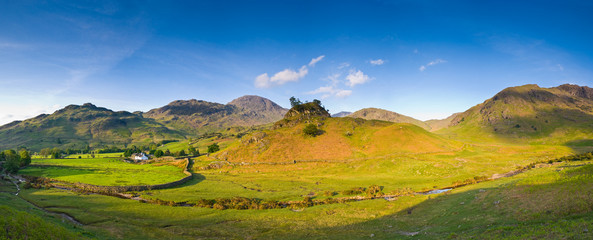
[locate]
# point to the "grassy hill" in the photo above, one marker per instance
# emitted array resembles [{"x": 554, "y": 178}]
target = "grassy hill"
[
  {"x": 197, "y": 117},
  {"x": 384, "y": 115},
  {"x": 558, "y": 115},
  {"x": 339, "y": 139},
  {"x": 77, "y": 126}
]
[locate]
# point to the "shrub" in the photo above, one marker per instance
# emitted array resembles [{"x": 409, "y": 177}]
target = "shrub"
[
  {"x": 213, "y": 148},
  {"x": 311, "y": 130},
  {"x": 354, "y": 191},
  {"x": 159, "y": 153},
  {"x": 403, "y": 192},
  {"x": 374, "y": 191},
  {"x": 329, "y": 193}
]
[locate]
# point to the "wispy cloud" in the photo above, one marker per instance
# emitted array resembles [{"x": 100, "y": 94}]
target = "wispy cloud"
[
  {"x": 356, "y": 77},
  {"x": 285, "y": 76},
  {"x": 9, "y": 113},
  {"x": 333, "y": 89},
  {"x": 329, "y": 91},
  {"x": 343, "y": 65},
  {"x": 315, "y": 60},
  {"x": 377, "y": 62},
  {"x": 435, "y": 62},
  {"x": 12, "y": 45}
]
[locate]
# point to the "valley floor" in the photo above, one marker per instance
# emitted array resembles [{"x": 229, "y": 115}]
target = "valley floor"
[{"x": 553, "y": 201}]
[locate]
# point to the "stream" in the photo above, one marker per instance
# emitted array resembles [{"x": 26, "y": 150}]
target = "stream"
[{"x": 63, "y": 215}]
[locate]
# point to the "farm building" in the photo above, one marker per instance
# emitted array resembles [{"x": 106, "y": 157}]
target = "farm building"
[{"x": 139, "y": 156}]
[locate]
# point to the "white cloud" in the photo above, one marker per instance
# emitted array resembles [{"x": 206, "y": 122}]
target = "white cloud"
[
  {"x": 315, "y": 60},
  {"x": 284, "y": 76},
  {"x": 343, "y": 93},
  {"x": 377, "y": 62},
  {"x": 329, "y": 91},
  {"x": 262, "y": 81},
  {"x": 289, "y": 75},
  {"x": 334, "y": 79},
  {"x": 435, "y": 62},
  {"x": 356, "y": 77}
]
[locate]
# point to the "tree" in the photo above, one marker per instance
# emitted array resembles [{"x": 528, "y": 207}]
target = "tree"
[
  {"x": 311, "y": 130},
  {"x": 167, "y": 152},
  {"x": 180, "y": 154},
  {"x": 56, "y": 153},
  {"x": 11, "y": 161},
  {"x": 319, "y": 104},
  {"x": 193, "y": 151},
  {"x": 213, "y": 148},
  {"x": 25, "y": 158},
  {"x": 158, "y": 153},
  {"x": 45, "y": 152},
  {"x": 295, "y": 101}
]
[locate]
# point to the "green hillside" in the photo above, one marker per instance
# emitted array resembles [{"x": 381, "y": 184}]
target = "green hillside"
[
  {"x": 338, "y": 139},
  {"x": 558, "y": 115},
  {"x": 78, "y": 126}
]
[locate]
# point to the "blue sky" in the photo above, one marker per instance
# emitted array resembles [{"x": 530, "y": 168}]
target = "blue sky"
[{"x": 425, "y": 59}]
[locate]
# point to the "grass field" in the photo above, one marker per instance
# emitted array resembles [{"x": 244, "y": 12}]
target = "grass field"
[
  {"x": 103, "y": 171},
  {"x": 485, "y": 211},
  {"x": 294, "y": 181}
]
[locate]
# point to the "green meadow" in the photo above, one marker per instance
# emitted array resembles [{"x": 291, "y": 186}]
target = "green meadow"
[
  {"x": 548, "y": 202},
  {"x": 290, "y": 182},
  {"x": 103, "y": 171}
]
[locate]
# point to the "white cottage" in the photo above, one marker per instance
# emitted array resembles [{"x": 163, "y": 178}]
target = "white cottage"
[{"x": 139, "y": 156}]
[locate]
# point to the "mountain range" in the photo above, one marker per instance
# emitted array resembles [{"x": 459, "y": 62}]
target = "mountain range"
[
  {"x": 198, "y": 117},
  {"x": 557, "y": 115}
]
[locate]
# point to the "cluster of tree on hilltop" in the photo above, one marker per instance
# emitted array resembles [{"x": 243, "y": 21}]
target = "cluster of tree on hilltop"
[{"x": 297, "y": 105}]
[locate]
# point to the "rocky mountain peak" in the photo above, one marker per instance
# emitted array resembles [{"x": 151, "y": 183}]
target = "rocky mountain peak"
[{"x": 255, "y": 104}]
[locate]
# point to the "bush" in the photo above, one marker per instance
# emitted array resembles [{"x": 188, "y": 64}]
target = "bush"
[
  {"x": 329, "y": 193},
  {"x": 311, "y": 130},
  {"x": 213, "y": 148},
  {"x": 159, "y": 153},
  {"x": 354, "y": 191},
  {"x": 374, "y": 191}
]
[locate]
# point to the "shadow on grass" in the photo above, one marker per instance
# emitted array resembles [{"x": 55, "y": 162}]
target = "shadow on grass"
[
  {"x": 580, "y": 145},
  {"x": 558, "y": 210},
  {"x": 197, "y": 178}
]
